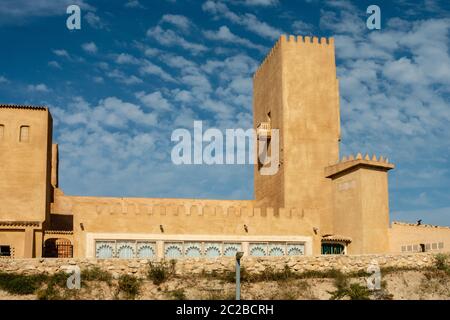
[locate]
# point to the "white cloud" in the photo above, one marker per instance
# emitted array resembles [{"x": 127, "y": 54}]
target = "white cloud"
[
  {"x": 61, "y": 53},
  {"x": 3, "y": 79},
  {"x": 125, "y": 58},
  {"x": 263, "y": 3},
  {"x": 98, "y": 79},
  {"x": 249, "y": 21},
  {"x": 179, "y": 21},
  {"x": 38, "y": 88},
  {"x": 148, "y": 67},
  {"x": 94, "y": 21},
  {"x": 90, "y": 47},
  {"x": 224, "y": 34},
  {"x": 54, "y": 64},
  {"x": 133, "y": 4},
  {"x": 171, "y": 38},
  {"x": 123, "y": 78},
  {"x": 154, "y": 100},
  {"x": 302, "y": 28}
]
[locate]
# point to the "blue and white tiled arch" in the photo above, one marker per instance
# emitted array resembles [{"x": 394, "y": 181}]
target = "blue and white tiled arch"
[{"x": 125, "y": 247}]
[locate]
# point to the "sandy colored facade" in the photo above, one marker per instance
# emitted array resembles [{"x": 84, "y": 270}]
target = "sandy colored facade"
[{"x": 316, "y": 203}]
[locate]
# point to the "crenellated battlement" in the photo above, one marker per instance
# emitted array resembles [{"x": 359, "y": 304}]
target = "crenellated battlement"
[
  {"x": 352, "y": 161},
  {"x": 119, "y": 208},
  {"x": 359, "y": 156},
  {"x": 297, "y": 40},
  {"x": 307, "y": 40}
]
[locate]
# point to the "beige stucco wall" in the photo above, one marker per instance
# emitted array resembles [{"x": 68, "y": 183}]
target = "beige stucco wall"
[
  {"x": 404, "y": 234},
  {"x": 361, "y": 208},
  {"x": 311, "y": 117},
  {"x": 180, "y": 217},
  {"x": 375, "y": 210},
  {"x": 15, "y": 238}
]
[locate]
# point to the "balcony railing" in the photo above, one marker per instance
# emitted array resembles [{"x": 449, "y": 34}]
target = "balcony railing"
[{"x": 263, "y": 130}]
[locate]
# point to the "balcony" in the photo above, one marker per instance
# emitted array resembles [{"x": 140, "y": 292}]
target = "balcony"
[{"x": 263, "y": 130}]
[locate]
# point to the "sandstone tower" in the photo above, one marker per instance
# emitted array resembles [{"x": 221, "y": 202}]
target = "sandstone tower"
[
  {"x": 297, "y": 92},
  {"x": 25, "y": 170},
  {"x": 297, "y": 86}
]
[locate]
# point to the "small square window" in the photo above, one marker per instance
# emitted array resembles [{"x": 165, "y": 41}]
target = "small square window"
[
  {"x": 403, "y": 248},
  {"x": 441, "y": 245},
  {"x": 427, "y": 246},
  {"x": 434, "y": 246},
  {"x": 2, "y": 131},
  {"x": 5, "y": 251},
  {"x": 409, "y": 248},
  {"x": 24, "y": 134}
]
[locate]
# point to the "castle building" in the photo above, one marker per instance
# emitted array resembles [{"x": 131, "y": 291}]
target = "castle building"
[{"x": 315, "y": 204}]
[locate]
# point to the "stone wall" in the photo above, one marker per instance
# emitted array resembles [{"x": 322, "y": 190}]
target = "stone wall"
[{"x": 253, "y": 265}]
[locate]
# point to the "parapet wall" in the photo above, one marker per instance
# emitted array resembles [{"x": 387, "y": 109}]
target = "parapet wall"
[
  {"x": 408, "y": 237},
  {"x": 89, "y": 208},
  {"x": 297, "y": 40},
  {"x": 186, "y": 267}
]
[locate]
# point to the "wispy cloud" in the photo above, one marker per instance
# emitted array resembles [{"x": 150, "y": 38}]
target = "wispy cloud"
[
  {"x": 248, "y": 20},
  {"x": 179, "y": 21},
  {"x": 167, "y": 37},
  {"x": 38, "y": 88},
  {"x": 224, "y": 34},
  {"x": 90, "y": 47}
]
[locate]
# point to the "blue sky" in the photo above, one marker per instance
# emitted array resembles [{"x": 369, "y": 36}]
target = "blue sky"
[{"x": 137, "y": 70}]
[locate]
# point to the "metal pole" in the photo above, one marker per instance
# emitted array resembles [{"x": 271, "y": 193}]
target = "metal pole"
[
  {"x": 238, "y": 275},
  {"x": 238, "y": 279}
]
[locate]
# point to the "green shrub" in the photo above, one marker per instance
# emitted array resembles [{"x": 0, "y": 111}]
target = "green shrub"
[
  {"x": 96, "y": 274},
  {"x": 178, "y": 294},
  {"x": 56, "y": 288},
  {"x": 159, "y": 272},
  {"x": 269, "y": 274},
  {"x": 440, "y": 262},
  {"x": 353, "y": 291},
  {"x": 50, "y": 292},
  {"x": 20, "y": 284},
  {"x": 129, "y": 285}
]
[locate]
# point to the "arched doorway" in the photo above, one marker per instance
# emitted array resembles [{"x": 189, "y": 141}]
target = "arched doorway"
[{"x": 58, "y": 248}]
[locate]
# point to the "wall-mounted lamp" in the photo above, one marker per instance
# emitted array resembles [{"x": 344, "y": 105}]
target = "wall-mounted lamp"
[
  {"x": 82, "y": 226},
  {"x": 245, "y": 228},
  {"x": 161, "y": 228},
  {"x": 316, "y": 230}
]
